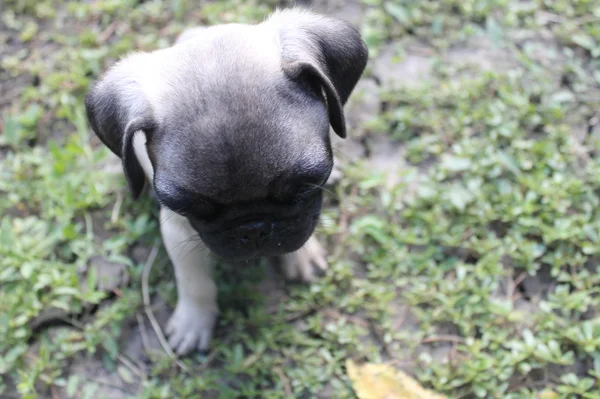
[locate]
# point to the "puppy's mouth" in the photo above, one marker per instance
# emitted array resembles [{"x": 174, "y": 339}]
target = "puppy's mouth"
[
  {"x": 253, "y": 236},
  {"x": 271, "y": 239}
]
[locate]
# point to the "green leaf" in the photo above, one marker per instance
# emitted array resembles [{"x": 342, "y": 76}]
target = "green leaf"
[
  {"x": 494, "y": 30},
  {"x": 398, "y": 12},
  {"x": 455, "y": 164},
  {"x": 125, "y": 374},
  {"x": 92, "y": 278},
  {"x": 72, "y": 385},
  {"x": 31, "y": 116},
  {"x": 459, "y": 197},
  {"x": 89, "y": 390},
  {"x": 27, "y": 269},
  {"x": 583, "y": 40},
  {"x": 11, "y": 132},
  {"x": 509, "y": 162}
]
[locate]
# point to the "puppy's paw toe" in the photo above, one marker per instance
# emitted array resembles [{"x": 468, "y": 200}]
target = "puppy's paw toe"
[
  {"x": 191, "y": 326},
  {"x": 307, "y": 263}
]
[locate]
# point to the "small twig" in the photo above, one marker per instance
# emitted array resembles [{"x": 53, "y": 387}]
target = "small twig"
[
  {"x": 550, "y": 17},
  {"x": 400, "y": 363},
  {"x": 284, "y": 380},
  {"x": 588, "y": 98},
  {"x": 109, "y": 384},
  {"x": 588, "y": 19},
  {"x": 594, "y": 120},
  {"x": 44, "y": 120},
  {"x": 300, "y": 315},
  {"x": 513, "y": 285},
  {"x": 344, "y": 218},
  {"x": 211, "y": 356},
  {"x": 143, "y": 333},
  {"x": 89, "y": 226},
  {"x": 71, "y": 321},
  {"x": 131, "y": 366},
  {"x": 117, "y": 208},
  {"x": 399, "y": 321},
  {"x": 53, "y": 392},
  {"x": 442, "y": 338},
  {"x": 379, "y": 335},
  {"x": 336, "y": 314},
  {"x": 579, "y": 150},
  {"x": 421, "y": 50},
  {"x": 126, "y": 362},
  {"x": 150, "y": 314},
  {"x": 107, "y": 33}
]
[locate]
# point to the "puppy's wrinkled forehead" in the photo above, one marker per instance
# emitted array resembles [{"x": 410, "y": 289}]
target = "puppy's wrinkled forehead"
[
  {"x": 232, "y": 106},
  {"x": 231, "y": 121}
]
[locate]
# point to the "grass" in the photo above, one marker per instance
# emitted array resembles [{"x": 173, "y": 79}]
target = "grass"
[{"x": 476, "y": 271}]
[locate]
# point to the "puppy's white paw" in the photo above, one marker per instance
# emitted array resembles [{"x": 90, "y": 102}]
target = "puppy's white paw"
[
  {"x": 191, "y": 326},
  {"x": 307, "y": 263}
]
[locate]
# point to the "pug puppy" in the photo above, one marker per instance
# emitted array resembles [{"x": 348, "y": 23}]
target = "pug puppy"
[{"x": 230, "y": 126}]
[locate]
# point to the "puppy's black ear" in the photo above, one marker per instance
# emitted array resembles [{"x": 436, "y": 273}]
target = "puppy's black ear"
[
  {"x": 117, "y": 108},
  {"x": 325, "y": 48}
]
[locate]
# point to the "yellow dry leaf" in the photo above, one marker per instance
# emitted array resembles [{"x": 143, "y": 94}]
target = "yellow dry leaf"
[
  {"x": 548, "y": 395},
  {"x": 380, "y": 381}
]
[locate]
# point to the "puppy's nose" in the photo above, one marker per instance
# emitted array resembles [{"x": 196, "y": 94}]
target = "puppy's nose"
[{"x": 254, "y": 232}]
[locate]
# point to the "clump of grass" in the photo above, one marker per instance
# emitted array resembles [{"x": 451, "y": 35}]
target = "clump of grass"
[
  {"x": 477, "y": 271},
  {"x": 506, "y": 195}
]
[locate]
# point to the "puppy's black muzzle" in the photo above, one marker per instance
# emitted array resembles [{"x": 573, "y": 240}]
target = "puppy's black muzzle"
[
  {"x": 255, "y": 233},
  {"x": 252, "y": 235}
]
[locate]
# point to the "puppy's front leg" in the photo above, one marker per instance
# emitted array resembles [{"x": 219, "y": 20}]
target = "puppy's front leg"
[
  {"x": 192, "y": 323},
  {"x": 306, "y": 263}
]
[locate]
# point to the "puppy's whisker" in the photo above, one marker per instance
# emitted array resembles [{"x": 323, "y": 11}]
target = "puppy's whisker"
[
  {"x": 315, "y": 187},
  {"x": 161, "y": 221},
  {"x": 329, "y": 214},
  {"x": 327, "y": 223},
  {"x": 200, "y": 247},
  {"x": 182, "y": 222},
  {"x": 341, "y": 154},
  {"x": 324, "y": 215},
  {"x": 325, "y": 226},
  {"x": 192, "y": 238},
  {"x": 188, "y": 240},
  {"x": 169, "y": 216},
  {"x": 334, "y": 195}
]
